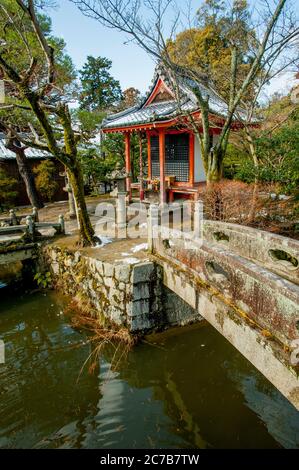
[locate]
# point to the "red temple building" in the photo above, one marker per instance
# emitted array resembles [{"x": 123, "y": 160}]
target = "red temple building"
[{"x": 174, "y": 154}]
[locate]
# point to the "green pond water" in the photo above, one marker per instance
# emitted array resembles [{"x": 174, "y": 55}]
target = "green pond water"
[{"x": 184, "y": 388}]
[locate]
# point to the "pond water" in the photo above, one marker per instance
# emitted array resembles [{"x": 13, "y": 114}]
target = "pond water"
[{"x": 184, "y": 388}]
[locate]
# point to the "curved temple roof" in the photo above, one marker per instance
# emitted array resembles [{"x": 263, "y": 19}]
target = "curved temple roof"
[
  {"x": 30, "y": 153},
  {"x": 152, "y": 111}
]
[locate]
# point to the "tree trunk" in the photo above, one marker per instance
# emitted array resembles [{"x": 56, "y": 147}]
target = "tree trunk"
[
  {"x": 86, "y": 231},
  {"x": 215, "y": 165},
  {"x": 252, "y": 148},
  {"x": 254, "y": 199},
  {"x": 72, "y": 205},
  {"x": 214, "y": 172},
  {"x": 28, "y": 178}
]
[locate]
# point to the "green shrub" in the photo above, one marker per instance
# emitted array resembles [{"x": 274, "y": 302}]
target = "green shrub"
[
  {"x": 8, "y": 190},
  {"x": 46, "y": 183},
  {"x": 278, "y": 156},
  {"x": 43, "y": 280}
]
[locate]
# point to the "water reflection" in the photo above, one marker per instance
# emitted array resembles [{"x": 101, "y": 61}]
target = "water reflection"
[{"x": 183, "y": 388}]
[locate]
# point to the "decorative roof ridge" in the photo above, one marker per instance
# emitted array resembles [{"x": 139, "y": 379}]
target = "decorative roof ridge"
[
  {"x": 160, "y": 73},
  {"x": 160, "y": 103},
  {"x": 151, "y": 87},
  {"x": 121, "y": 113},
  {"x": 187, "y": 84}
]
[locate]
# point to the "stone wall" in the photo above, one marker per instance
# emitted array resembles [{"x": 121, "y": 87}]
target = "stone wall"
[
  {"x": 126, "y": 295},
  {"x": 177, "y": 311}
]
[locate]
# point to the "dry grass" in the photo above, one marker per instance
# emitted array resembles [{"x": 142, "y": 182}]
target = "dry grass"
[
  {"x": 113, "y": 340},
  {"x": 247, "y": 204}
]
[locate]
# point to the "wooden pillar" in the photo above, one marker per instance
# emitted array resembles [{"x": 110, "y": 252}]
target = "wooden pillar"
[
  {"x": 141, "y": 189},
  {"x": 128, "y": 163},
  {"x": 191, "y": 158},
  {"x": 162, "y": 165},
  {"x": 149, "y": 158}
]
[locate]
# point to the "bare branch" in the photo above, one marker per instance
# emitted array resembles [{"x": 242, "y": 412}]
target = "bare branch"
[{"x": 47, "y": 49}]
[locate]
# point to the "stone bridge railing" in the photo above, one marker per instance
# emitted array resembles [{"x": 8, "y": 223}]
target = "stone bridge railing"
[
  {"x": 255, "y": 271},
  {"x": 31, "y": 227},
  {"x": 244, "y": 282},
  {"x": 15, "y": 218},
  {"x": 278, "y": 254}
]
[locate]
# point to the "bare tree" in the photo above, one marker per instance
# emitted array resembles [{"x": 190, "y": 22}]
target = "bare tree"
[
  {"x": 144, "y": 23},
  {"x": 275, "y": 66},
  {"x": 36, "y": 91}
]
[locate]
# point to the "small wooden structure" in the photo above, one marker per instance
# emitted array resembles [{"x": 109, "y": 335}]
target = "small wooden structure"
[
  {"x": 174, "y": 163},
  {"x": 8, "y": 163}
]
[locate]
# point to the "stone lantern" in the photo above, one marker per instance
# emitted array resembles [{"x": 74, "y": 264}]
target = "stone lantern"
[{"x": 118, "y": 178}]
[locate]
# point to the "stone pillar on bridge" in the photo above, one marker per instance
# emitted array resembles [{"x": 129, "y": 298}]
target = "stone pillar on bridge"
[
  {"x": 198, "y": 220},
  {"x": 61, "y": 223},
  {"x": 13, "y": 217},
  {"x": 35, "y": 214},
  {"x": 152, "y": 225},
  {"x": 30, "y": 226},
  {"x": 121, "y": 214}
]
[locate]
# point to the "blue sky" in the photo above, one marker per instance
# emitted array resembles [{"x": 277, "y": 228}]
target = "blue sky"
[
  {"x": 84, "y": 36},
  {"x": 130, "y": 64}
]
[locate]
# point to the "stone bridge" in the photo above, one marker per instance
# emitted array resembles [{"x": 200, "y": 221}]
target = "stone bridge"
[
  {"x": 15, "y": 247},
  {"x": 18, "y": 252},
  {"x": 245, "y": 282}
]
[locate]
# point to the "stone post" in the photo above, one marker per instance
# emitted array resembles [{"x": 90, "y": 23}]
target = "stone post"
[
  {"x": 62, "y": 225},
  {"x": 72, "y": 206},
  {"x": 121, "y": 214},
  {"x": 198, "y": 220},
  {"x": 30, "y": 226},
  {"x": 152, "y": 225},
  {"x": 13, "y": 217}
]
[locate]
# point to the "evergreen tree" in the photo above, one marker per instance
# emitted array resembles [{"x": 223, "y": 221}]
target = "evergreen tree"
[
  {"x": 40, "y": 80},
  {"x": 100, "y": 91},
  {"x": 13, "y": 26}
]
